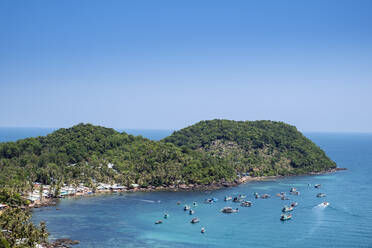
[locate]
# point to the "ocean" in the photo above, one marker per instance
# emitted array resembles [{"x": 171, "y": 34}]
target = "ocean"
[{"x": 127, "y": 220}]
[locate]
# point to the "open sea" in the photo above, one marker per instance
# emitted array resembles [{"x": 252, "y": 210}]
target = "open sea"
[{"x": 127, "y": 220}]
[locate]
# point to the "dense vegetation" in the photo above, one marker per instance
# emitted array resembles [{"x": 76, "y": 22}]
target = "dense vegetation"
[
  {"x": 82, "y": 153},
  {"x": 206, "y": 152},
  {"x": 262, "y": 148}
]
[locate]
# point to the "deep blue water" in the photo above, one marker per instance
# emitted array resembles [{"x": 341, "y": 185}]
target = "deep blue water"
[{"x": 128, "y": 220}]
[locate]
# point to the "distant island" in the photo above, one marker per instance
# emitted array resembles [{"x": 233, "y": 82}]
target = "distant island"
[{"x": 86, "y": 159}]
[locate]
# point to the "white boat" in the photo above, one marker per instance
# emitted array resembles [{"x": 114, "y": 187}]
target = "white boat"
[{"x": 324, "y": 204}]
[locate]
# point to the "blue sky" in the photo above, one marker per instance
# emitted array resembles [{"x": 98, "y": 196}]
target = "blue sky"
[{"x": 168, "y": 64}]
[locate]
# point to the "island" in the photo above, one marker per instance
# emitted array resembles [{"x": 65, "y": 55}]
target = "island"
[{"x": 85, "y": 159}]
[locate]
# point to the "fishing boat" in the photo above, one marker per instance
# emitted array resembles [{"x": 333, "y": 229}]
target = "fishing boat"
[
  {"x": 186, "y": 207},
  {"x": 294, "y": 204},
  {"x": 317, "y": 186},
  {"x": 194, "y": 220},
  {"x": 166, "y": 216},
  {"x": 284, "y": 217},
  {"x": 246, "y": 204},
  {"x": 191, "y": 212},
  {"x": 265, "y": 196},
  {"x": 158, "y": 222},
  {"x": 287, "y": 209},
  {"x": 202, "y": 230},
  {"x": 321, "y": 195},
  {"x": 228, "y": 198},
  {"x": 229, "y": 210}
]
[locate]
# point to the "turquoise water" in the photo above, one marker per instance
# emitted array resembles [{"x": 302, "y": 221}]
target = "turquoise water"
[{"x": 127, "y": 220}]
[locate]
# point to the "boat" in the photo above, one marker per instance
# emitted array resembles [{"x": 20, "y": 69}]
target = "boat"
[
  {"x": 321, "y": 195},
  {"x": 284, "y": 217},
  {"x": 287, "y": 209},
  {"x": 229, "y": 210},
  {"x": 191, "y": 212},
  {"x": 293, "y": 190},
  {"x": 202, "y": 230},
  {"x": 194, "y": 220},
  {"x": 158, "y": 222},
  {"x": 242, "y": 196},
  {"x": 186, "y": 207},
  {"x": 324, "y": 204},
  {"x": 178, "y": 203},
  {"x": 246, "y": 204},
  {"x": 265, "y": 196},
  {"x": 236, "y": 199},
  {"x": 317, "y": 186},
  {"x": 166, "y": 216},
  {"x": 295, "y": 193},
  {"x": 256, "y": 195},
  {"x": 294, "y": 204},
  {"x": 195, "y": 204},
  {"x": 228, "y": 198}
]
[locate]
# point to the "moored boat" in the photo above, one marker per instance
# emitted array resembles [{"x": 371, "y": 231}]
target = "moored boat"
[
  {"x": 191, "y": 212},
  {"x": 236, "y": 199},
  {"x": 158, "y": 222},
  {"x": 186, "y": 207},
  {"x": 293, "y": 190},
  {"x": 317, "y": 186},
  {"x": 321, "y": 195},
  {"x": 202, "y": 230},
  {"x": 194, "y": 220},
  {"x": 265, "y": 196},
  {"x": 166, "y": 216},
  {"x": 287, "y": 209},
  {"x": 246, "y": 204},
  {"x": 294, "y": 204},
  {"x": 228, "y": 198},
  {"x": 229, "y": 210},
  {"x": 195, "y": 204},
  {"x": 284, "y": 217}
]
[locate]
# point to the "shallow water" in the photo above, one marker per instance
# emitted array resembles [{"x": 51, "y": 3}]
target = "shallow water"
[{"x": 127, "y": 220}]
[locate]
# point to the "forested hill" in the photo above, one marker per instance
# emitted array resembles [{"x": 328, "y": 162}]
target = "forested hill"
[
  {"x": 257, "y": 147},
  {"x": 88, "y": 154},
  {"x": 209, "y": 151}
]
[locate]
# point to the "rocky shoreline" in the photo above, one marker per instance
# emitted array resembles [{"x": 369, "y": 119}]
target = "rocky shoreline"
[{"x": 184, "y": 187}]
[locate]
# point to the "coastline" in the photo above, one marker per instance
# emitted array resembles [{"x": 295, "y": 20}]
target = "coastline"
[{"x": 49, "y": 202}]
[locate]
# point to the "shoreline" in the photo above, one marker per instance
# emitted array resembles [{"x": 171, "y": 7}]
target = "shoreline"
[{"x": 50, "y": 202}]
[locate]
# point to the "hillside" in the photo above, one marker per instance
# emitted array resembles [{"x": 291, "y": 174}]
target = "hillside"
[
  {"x": 262, "y": 148},
  {"x": 87, "y": 153},
  {"x": 204, "y": 153}
]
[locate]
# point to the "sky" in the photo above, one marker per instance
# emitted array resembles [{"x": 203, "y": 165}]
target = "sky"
[{"x": 169, "y": 64}]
